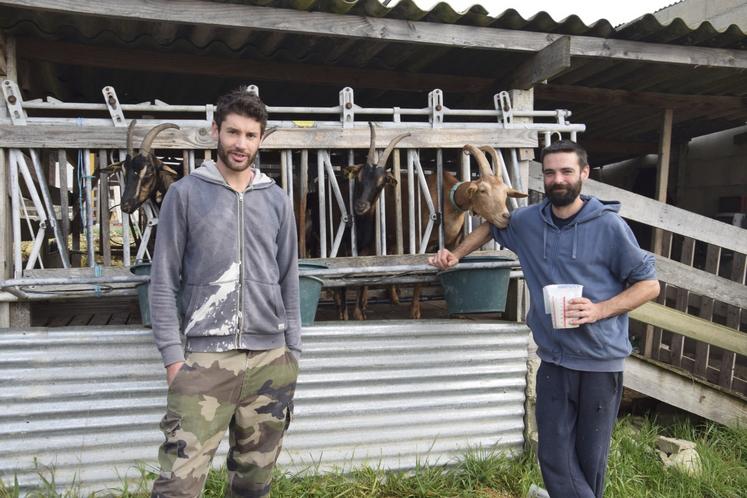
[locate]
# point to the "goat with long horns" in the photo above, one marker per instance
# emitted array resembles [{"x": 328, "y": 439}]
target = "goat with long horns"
[{"x": 146, "y": 176}]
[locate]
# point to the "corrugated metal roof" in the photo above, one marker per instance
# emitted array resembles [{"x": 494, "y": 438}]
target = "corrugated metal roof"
[
  {"x": 296, "y": 52},
  {"x": 87, "y": 401}
]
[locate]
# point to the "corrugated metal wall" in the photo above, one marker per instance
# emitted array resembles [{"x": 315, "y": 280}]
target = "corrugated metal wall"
[{"x": 87, "y": 401}]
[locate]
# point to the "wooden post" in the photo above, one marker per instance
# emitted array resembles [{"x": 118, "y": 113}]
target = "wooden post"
[
  {"x": 662, "y": 179},
  {"x": 6, "y": 241},
  {"x": 523, "y": 100},
  {"x": 7, "y": 71},
  {"x": 652, "y": 336}
]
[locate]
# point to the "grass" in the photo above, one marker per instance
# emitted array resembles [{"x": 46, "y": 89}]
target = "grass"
[{"x": 634, "y": 471}]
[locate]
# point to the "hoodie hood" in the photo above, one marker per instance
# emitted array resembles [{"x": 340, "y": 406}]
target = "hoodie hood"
[
  {"x": 209, "y": 172},
  {"x": 592, "y": 209}
]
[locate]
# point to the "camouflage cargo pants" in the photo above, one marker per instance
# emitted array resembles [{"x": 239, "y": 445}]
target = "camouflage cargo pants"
[{"x": 248, "y": 392}]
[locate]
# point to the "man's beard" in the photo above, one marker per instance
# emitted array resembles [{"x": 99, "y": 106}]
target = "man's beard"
[
  {"x": 562, "y": 195},
  {"x": 230, "y": 164}
]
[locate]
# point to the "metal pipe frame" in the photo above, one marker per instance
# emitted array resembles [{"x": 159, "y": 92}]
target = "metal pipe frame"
[
  {"x": 503, "y": 119},
  {"x": 47, "y": 197}
]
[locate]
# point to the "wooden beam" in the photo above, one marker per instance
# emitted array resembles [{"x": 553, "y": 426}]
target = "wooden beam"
[
  {"x": 677, "y": 388},
  {"x": 230, "y": 15},
  {"x": 549, "y": 62},
  {"x": 691, "y": 326},
  {"x": 598, "y": 146},
  {"x": 656, "y": 214},
  {"x": 651, "y": 100},
  {"x": 6, "y": 240},
  {"x": 100, "y": 137},
  {"x": 77, "y": 54}
]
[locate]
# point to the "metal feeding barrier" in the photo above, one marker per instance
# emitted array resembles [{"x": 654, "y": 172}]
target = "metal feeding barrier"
[{"x": 90, "y": 139}]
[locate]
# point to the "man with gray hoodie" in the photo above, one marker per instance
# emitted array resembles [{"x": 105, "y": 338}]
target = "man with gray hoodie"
[
  {"x": 226, "y": 253},
  {"x": 574, "y": 239}
]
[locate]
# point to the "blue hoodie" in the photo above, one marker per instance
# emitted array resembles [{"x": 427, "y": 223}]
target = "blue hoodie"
[{"x": 597, "y": 250}]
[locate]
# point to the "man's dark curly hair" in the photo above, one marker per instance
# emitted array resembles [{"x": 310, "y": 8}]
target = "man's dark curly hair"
[
  {"x": 242, "y": 102},
  {"x": 566, "y": 146}
]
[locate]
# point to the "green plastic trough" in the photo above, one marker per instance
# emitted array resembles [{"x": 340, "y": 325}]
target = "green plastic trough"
[
  {"x": 310, "y": 290},
  {"x": 476, "y": 290}
]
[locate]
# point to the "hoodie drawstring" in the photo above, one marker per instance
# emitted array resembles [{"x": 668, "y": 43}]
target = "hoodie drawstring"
[
  {"x": 575, "y": 239},
  {"x": 544, "y": 241}
]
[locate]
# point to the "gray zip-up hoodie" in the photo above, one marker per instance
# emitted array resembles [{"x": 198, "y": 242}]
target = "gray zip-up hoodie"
[{"x": 233, "y": 257}]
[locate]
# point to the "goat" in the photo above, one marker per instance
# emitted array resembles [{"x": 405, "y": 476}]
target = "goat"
[
  {"x": 146, "y": 176},
  {"x": 486, "y": 197}
]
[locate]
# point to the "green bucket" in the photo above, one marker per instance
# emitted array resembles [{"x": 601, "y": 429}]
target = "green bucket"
[
  {"x": 476, "y": 290},
  {"x": 310, "y": 290},
  {"x": 142, "y": 292}
]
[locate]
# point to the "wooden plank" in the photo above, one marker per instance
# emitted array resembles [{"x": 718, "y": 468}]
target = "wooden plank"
[
  {"x": 100, "y": 56},
  {"x": 662, "y": 173},
  {"x": 656, "y": 214},
  {"x": 97, "y": 137},
  {"x": 651, "y": 100},
  {"x": 728, "y": 359},
  {"x": 703, "y": 349},
  {"x": 684, "y": 391},
  {"x": 230, "y": 15},
  {"x": 549, "y": 62},
  {"x": 683, "y": 295},
  {"x": 701, "y": 282},
  {"x": 691, "y": 326}
]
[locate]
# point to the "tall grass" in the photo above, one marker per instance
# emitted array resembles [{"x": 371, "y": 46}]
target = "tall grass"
[{"x": 634, "y": 471}]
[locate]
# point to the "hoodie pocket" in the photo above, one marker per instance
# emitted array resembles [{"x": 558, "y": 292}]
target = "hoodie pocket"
[
  {"x": 607, "y": 339},
  {"x": 264, "y": 312},
  {"x": 211, "y": 309}
]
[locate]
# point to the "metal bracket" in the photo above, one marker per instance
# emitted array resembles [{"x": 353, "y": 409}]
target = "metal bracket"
[
  {"x": 112, "y": 103},
  {"x": 502, "y": 102},
  {"x": 347, "y": 107},
  {"x": 14, "y": 101},
  {"x": 436, "y": 105}
]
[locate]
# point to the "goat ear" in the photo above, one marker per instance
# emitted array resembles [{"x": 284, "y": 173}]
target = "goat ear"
[
  {"x": 390, "y": 180},
  {"x": 471, "y": 190},
  {"x": 516, "y": 194},
  {"x": 352, "y": 171}
]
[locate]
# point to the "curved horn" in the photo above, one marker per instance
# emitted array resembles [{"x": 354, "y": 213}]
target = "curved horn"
[
  {"x": 148, "y": 140},
  {"x": 482, "y": 161},
  {"x": 372, "y": 150},
  {"x": 390, "y": 148},
  {"x": 497, "y": 161},
  {"x": 130, "y": 129}
]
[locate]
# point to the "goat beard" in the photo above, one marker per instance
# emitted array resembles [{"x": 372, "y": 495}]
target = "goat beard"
[
  {"x": 561, "y": 195},
  {"x": 225, "y": 158}
]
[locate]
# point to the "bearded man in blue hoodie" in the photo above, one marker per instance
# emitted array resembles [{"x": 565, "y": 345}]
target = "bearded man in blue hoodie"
[
  {"x": 574, "y": 239},
  {"x": 227, "y": 243}
]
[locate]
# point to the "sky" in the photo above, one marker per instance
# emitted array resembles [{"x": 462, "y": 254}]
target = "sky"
[{"x": 616, "y": 12}]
